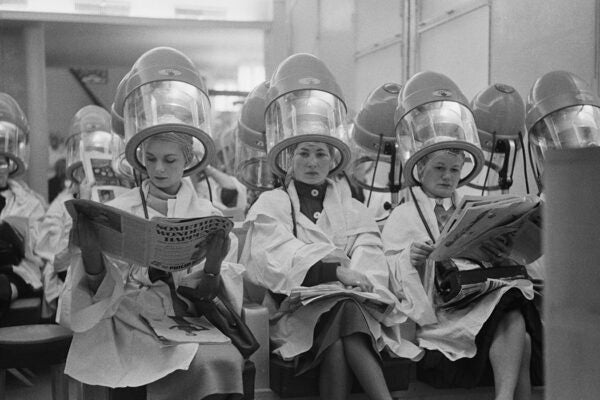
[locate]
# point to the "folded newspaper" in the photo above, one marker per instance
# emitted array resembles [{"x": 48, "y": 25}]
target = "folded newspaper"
[
  {"x": 307, "y": 295},
  {"x": 470, "y": 292},
  {"x": 513, "y": 220},
  {"x": 174, "y": 329},
  {"x": 169, "y": 244}
]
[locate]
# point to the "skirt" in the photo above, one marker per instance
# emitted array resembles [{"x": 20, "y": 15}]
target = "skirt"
[
  {"x": 346, "y": 318},
  {"x": 438, "y": 371},
  {"x": 216, "y": 370}
]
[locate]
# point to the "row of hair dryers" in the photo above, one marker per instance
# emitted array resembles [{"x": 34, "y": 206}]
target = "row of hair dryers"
[
  {"x": 378, "y": 149},
  {"x": 397, "y": 125}
]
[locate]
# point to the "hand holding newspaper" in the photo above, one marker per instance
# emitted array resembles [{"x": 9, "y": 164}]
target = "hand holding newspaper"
[
  {"x": 514, "y": 220},
  {"x": 169, "y": 244},
  {"x": 466, "y": 266}
]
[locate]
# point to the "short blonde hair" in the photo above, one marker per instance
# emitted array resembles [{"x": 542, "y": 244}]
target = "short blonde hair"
[{"x": 185, "y": 141}]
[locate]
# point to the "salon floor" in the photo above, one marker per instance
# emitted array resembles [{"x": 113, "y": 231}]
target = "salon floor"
[{"x": 41, "y": 390}]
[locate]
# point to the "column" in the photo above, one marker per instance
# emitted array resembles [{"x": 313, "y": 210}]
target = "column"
[{"x": 35, "y": 67}]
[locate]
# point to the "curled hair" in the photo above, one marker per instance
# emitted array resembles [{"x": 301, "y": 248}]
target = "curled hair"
[{"x": 185, "y": 141}]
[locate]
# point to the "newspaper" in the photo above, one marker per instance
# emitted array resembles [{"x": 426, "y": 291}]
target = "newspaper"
[
  {"x": 470, "y": 292},
  {"x": 175, "y": 329},
  {"x": 169, "y": 244},
  {"x": 514, "y": 220},
  {"x": 306, "y": 295},
  {"x": 461, "y": 281}
]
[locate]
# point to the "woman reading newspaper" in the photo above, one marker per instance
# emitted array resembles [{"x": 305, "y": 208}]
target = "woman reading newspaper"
[
  {"x": 111, "y": 345},
  {"x": 500, "y": 328},
  {"x": 312, "y": 232}
]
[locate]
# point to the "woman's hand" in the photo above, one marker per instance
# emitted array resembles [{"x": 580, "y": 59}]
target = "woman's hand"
[
  {"x": 223, "y": 179},
  {"x": 217, "y": 247},
  {"x": 207, "y": 289},
  {"x": 419, "y": 251},
  {"x": 87, "y": 234},
  {"x": 354, "y": 279}
]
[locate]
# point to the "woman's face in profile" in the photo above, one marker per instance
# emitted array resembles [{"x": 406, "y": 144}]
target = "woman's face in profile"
[
  {"x": 311, "y": 162},
  {"x": 441, "y": 173},
  {"x": 165, "y": 163}
]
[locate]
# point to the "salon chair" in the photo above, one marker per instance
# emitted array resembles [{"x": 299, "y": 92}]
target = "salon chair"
[{"x": 27, "y": 346}]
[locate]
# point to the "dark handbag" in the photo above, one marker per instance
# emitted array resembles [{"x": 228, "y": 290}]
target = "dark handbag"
[
  {"x": 12, "y": 250},
  {"x": 456, "y": 287},
  {"x": 222, "y": 315}
]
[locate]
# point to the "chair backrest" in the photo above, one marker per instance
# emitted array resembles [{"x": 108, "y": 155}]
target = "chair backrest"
[{"x": 252, "y": 293}]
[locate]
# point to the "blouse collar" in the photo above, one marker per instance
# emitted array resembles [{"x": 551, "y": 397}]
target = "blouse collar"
[
  {"x": 446, "y": 202},
  {"x": 316, "y": 192}
]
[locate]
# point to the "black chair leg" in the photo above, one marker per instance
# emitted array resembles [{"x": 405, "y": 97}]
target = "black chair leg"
[
  {"x": 128, "y": 393},
  {"x": 248, "y": 376}
]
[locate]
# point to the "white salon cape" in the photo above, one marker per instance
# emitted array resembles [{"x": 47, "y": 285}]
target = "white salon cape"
[
  {"x": 111, "y": 345},
  {"x": 29, "y": 207},
  {"x": 277, "y": 260},
  {"x": 53, "y": 246},
  {"x": 451, "y": 332}
]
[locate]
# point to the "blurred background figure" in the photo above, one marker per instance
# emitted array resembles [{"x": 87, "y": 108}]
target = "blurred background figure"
[
  {"x": 499, "y": 114},
  {"x": 56, "y": 183},
  {"x": 89, "y": 150},
  {"x": 376, "y": 167},
  {"x": 217, "y": 182},
  {"x": 20, "y": 210},
  {"x": 251, "y": 166},
  {"x": 56, "y": 168},
  {"x": 562, "y": 112}
]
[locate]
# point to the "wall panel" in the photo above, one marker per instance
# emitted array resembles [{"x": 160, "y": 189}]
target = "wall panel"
[
  {"x": 376, "y": 69},
  {"x": 378, "y": 55},
  {"x": 435, "y": 8},
  {"x": 377, "y": 20},
  {"x": 530, "y": 38},
  {"x": 459, "y": 49},
  {"x": 304, "y": 26}
]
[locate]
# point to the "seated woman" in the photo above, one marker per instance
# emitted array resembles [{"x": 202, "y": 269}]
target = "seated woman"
[
  {"x": 501, "y": 329},
  {"x": 20, "y": 267},
  {"x": 111, "y": 345},
  {"x": 312, "y": 232}
]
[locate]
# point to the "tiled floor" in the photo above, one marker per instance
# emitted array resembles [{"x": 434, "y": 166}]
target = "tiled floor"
[{"x": 41, "y": 390}]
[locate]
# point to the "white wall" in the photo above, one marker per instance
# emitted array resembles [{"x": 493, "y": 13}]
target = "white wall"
[
  {"x": 323, "y": 28},
  {"x": 378, "y": 51},
  {"x": 457, "y": 47},
  {"x": 66, "y": 97}
]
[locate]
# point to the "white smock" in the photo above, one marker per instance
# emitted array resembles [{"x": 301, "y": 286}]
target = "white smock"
[
  {"x": 452, "y": 332},
  {"x": 24, "y": 203},
  {"x": 53, "y": 246},
  {"x": 277, "y": 260},
  {"x": 111, "y": 346}
]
